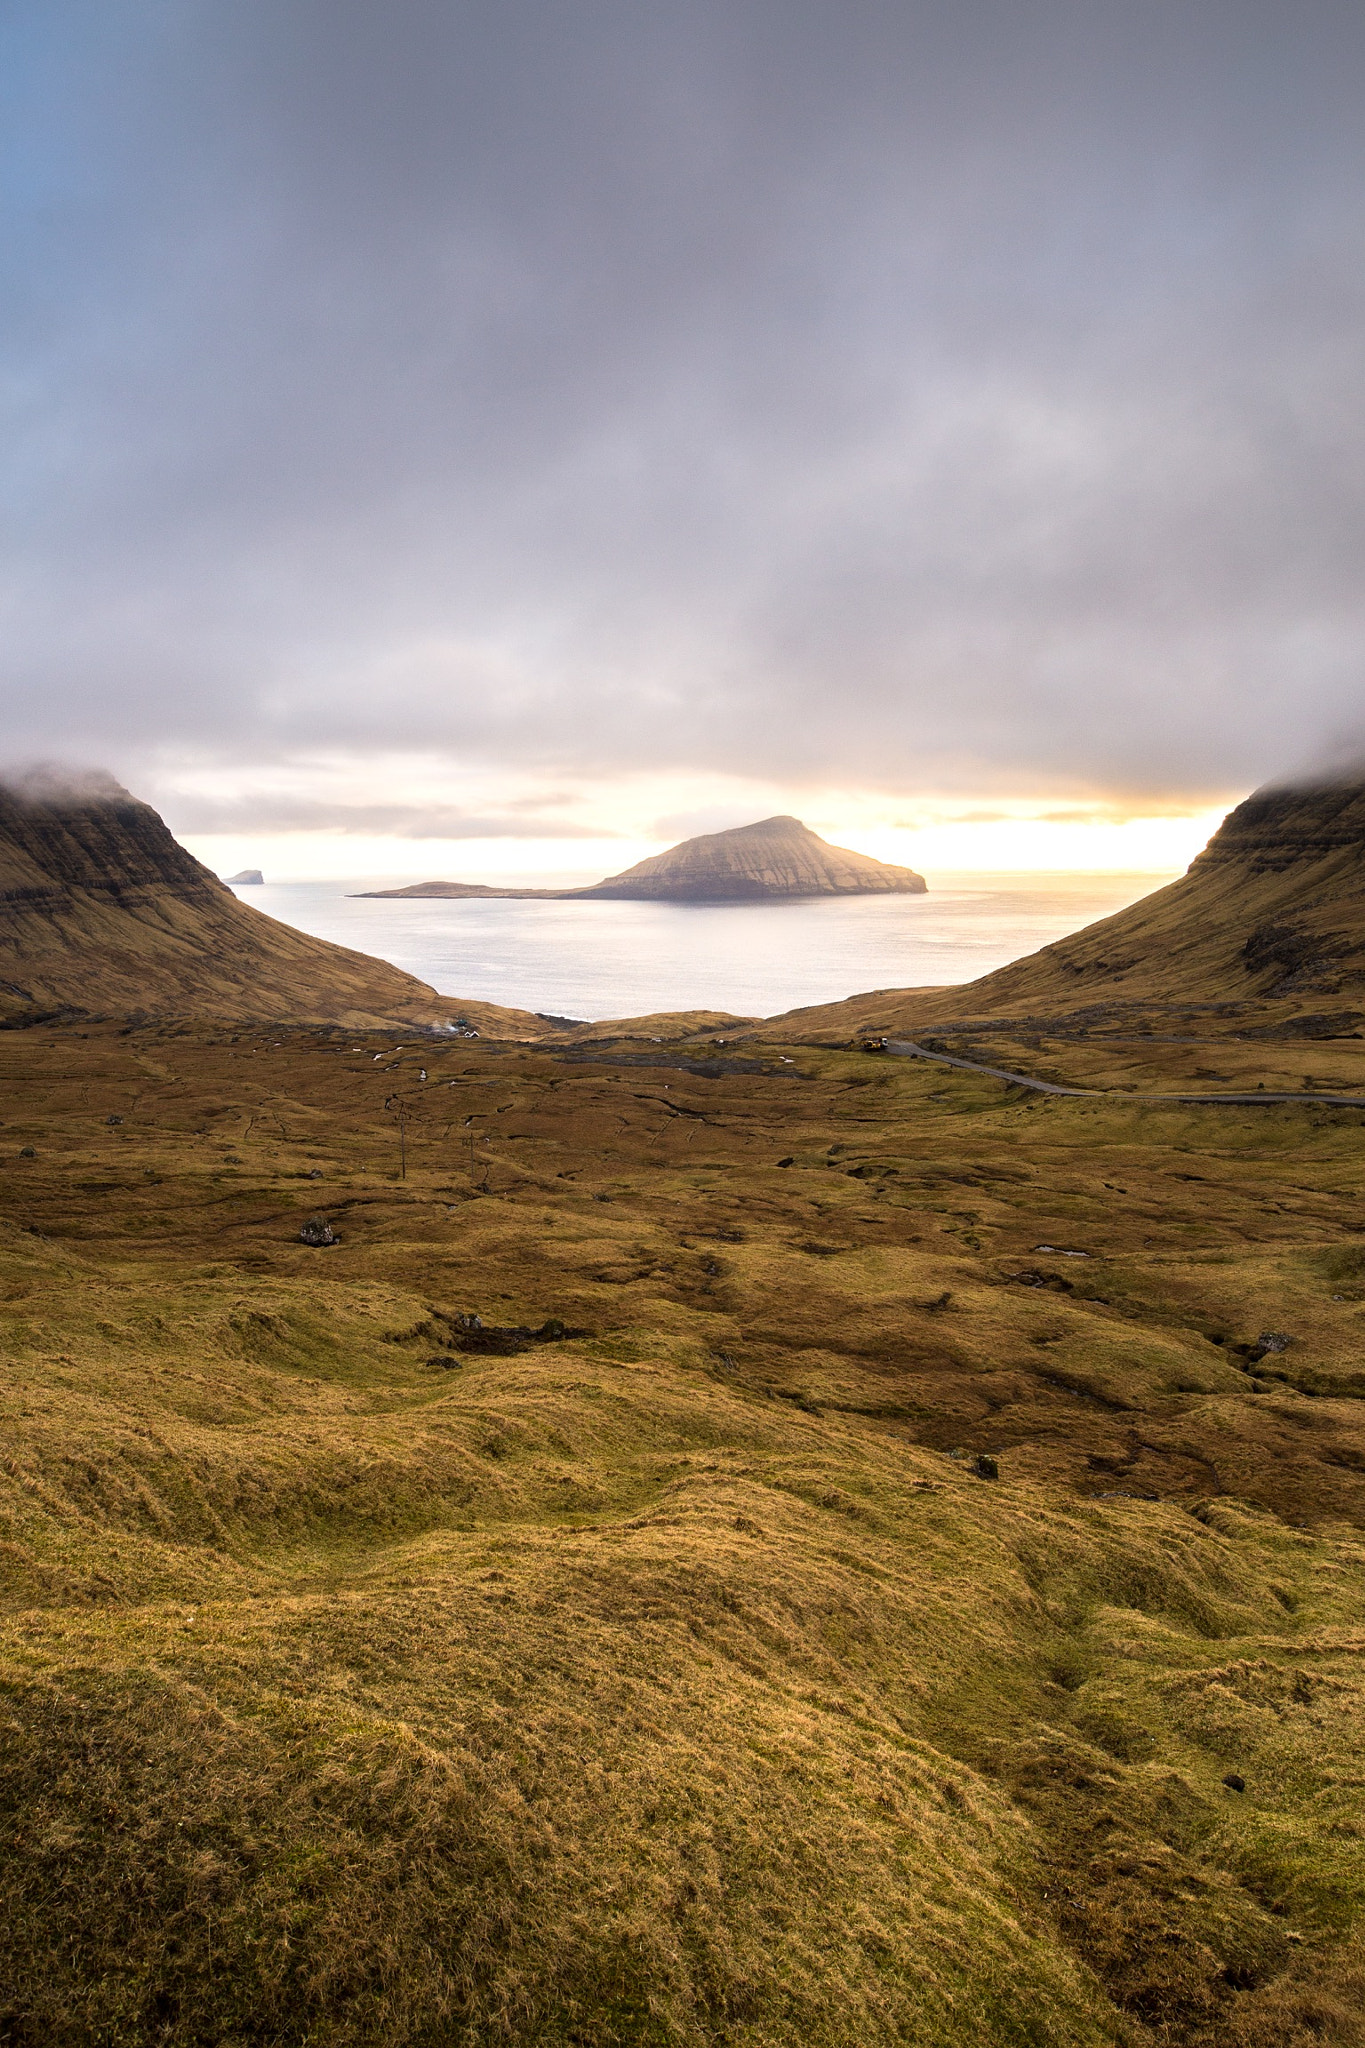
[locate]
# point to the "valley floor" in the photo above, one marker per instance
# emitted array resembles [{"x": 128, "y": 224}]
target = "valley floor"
[{"x": 884, "y": 1568}]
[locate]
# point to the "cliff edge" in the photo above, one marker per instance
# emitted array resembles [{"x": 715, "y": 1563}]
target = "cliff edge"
[{"x": 104, "y": 913}]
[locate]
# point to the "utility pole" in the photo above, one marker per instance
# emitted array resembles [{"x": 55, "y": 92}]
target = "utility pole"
[{"x": 397, "y": 1107}]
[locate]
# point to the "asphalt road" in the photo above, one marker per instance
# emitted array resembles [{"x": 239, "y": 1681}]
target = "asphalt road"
[{"x": 904, "y": 1048}]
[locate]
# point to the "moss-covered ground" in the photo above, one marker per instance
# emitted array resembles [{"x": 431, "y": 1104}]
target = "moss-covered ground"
[{"x": 684, "y": 1680}]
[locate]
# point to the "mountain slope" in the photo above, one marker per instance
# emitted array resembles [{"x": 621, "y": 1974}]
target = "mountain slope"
[
  {"x": 1272, "y": 913},
  {"x": 776, "y": 857},
  {"x": 102, "y": 912}
]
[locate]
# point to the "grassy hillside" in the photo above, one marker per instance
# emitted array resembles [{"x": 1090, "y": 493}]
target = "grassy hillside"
[
  {"x": 1271, "y": 916},
  {"x": 676, "y": 1677},
  {"x": 102, "y": 913}
]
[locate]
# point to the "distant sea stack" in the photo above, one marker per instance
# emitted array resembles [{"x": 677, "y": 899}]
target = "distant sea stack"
[
  {"x": 775, "y": 859},
  {"x": 779, "y": 857},
  {"x": 249, "y": 878}
]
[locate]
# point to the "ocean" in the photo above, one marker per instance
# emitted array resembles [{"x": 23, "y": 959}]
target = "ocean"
[{"x": 593, "y": 960}]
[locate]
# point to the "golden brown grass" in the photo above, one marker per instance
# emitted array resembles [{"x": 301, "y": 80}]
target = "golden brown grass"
[
  {"x": 1267, "y": 926},
  {"x": 677, "y": 1682}
]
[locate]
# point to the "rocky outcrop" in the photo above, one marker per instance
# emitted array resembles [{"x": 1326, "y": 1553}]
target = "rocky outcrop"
[
  {"x": 85, "y": 837},
  {"x": 779, "y": 857},
  {"x": 1278, "y": 830},
  {"x": 103, "y": 913}
]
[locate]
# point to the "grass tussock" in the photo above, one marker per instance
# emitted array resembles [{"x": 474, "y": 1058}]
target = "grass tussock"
[{"x": 681, "y": 1682}]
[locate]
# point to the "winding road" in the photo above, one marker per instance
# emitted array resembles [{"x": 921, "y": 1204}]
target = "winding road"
[{"x": 905, "y": 1048}]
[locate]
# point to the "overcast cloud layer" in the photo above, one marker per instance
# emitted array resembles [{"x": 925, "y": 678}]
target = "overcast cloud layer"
[{"x": 962, "y": 396}]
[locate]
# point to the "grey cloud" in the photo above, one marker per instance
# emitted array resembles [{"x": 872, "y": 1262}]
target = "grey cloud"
[
  {"x": 58, "y": 781},
  {"x": 396, "y": 821},
  {"x": 700, "y": 818},
  {"x": 916, "y": 394}
]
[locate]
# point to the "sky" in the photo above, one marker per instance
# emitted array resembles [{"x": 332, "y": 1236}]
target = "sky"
[{"x": 509, "y": 435}]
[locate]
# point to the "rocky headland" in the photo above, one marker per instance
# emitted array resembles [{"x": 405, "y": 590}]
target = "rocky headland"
[{"x": 103, "y": 913}]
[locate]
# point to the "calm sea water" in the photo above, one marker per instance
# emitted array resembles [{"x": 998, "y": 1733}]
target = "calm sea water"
[{"x": 594, "y": 960}]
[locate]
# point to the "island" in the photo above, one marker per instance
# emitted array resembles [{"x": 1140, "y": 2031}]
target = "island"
[{"x": 777, "y": 858}]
